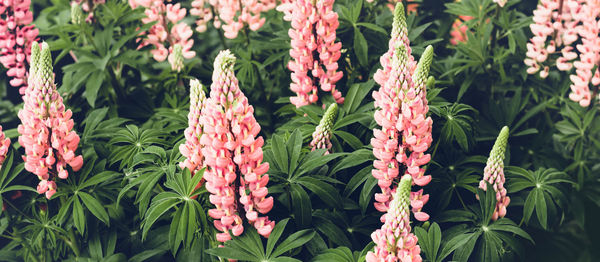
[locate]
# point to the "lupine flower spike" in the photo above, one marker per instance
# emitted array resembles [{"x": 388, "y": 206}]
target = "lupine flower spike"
[
  {"x": 166, "y": 16},
  {"x": 176, "y": 58},
  {"x": 322, "y": 134},
  {"x": 46, "y": 127},
  {"x": 402, "y": 109},
  {"x": 16, "y": 36},
  {"x": 230, "y": 147},
  {"x": 494, "y": 174},
  {"x": 560, "y": 27},
  {"x": 394, "y": 241},
  {"x": 314, "y": 51},
  {"x": 230, "y": 15},
  {"x": 4, "y": 145},
  {"x": 192, "y": 150}
]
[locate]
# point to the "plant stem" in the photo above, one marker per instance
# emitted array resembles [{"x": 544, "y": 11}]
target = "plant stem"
[
  {"x": 460, "y": 199},
  {"x": 72, "y": 242}
]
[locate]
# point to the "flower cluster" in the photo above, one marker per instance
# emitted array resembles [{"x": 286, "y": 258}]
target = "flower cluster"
[
  {"x": 394, "y": 241},
  {"x": 235, "y": 175},
  {"x": 16, "y": 36},
  {"x": 232, "y": 15},
  {"x": 459, "y": 30},
  {"x": 500, "y": 3},
  {"x": 192, "y": 150},
  {"x": 166, "y": 16},
  {"x": 314, "y": 51},
  {"x": 80, "y": 6},
  {"x": 402, "y": 109},
  {"x": 322, "y": 134},
  {"x": 46, "y": 127},
  {"x": 556, "y": 29},
  {"x": 4, "y": 145},
  {"x": 494, "y": 174}
]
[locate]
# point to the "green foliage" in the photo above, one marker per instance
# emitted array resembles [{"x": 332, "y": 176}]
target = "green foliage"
[{"x": 132, "y": 201}]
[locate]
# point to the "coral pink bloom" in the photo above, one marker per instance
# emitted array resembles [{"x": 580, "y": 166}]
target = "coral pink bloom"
[
  {"x": 230, "y": 147},
  {"x": 4, "y": 145},
  {"x": 16, "y": 37},
  {"x": 166, "y": 16},
  {"x": 46, "y": 126},
  {"x": 314, "y": 51},
  {"x": 394, "y": 241},
  {"x": 231, "y": 15},
  {"x": 494, "y": 174},
  {"x": 402, "y": 109},
  {"x": 560, "y": 28},
  {"x": 191, "y": 149},
  {"x": 459, "y": 30}
]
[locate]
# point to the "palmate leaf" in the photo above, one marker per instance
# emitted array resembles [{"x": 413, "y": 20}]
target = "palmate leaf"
[
  {"x": 433, "y": 247},
  {"x": 545, "y": 193},
  {"x": 481, "y": 234},
  {"x": 189, "y": 218},
  {"x": 130, "y": 141},
  {"x": 458, "y": 124},
  {"x": 249, "y": 246}
]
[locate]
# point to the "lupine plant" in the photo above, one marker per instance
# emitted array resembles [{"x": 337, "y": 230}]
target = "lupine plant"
[{"x": 299, "y": 130}]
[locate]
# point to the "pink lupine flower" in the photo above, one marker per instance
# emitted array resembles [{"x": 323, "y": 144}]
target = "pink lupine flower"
[
  {"x": 314, "y": 51},
  {"x": 166, "y": 16},
  {"x": 402, "y": 109},
  {"x": 192, "y": 150},
  {"x": 459, "y": 30},
  {"x": 494, "y": 174},
  {"x": 230, "y": 147},
  {"x": 46, "y": 126},
  {"x": 16, "y": 36},
  {"x": 394, "y": 241},
  {"x": 87, "y": 7},
  {"x": 500, "y": 3},
  {"x": 557, "y": 28},
  {"x": 323, "y": 132},
  {"x": 4, "y": 145},
  {"x": 231, "y": 15}
]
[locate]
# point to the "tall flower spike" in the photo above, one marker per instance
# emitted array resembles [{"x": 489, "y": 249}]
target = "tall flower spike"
[
  {"x": 230, "y": 147},
  {"x": 394, "y": 241},
  {"x": 405, "y": 133},
  {"x": 16, "y": 36},
  {"x": 314, "y": 51},
  {"x": 494, "y": 174},
  {"x": 176, "y": 58},
  {"x": 191, "y": 150},
  {"x": 46, "y": 127},
  {"x": 4, "y": 145},
  {"x": 322, "y": 134}
]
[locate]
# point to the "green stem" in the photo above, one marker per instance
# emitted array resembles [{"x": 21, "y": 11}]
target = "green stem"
[
  {"x": 72, "y": 242},
  {"x": 15, "y": 208},
  {"x": 460, "y": 199}
]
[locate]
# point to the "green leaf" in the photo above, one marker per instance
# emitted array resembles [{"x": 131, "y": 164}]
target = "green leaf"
[
  {"x": 293, "y": 241},
  {"x": 94, "y": 206},
  {"x": 275, "y": 235},
  {"x": 92, "y": 87},
  {"x": 229, "y": 253},
  {"x": 324, "y": 191},
  {"x": 78, "y": 216},
  {"x": 301, "y": 205},
  {"x": 360, "y": 47}
]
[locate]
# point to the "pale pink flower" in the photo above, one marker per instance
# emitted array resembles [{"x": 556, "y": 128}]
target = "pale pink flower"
[
  {"x": 313, "y": 50},
  {"x": 494, "y": 174},
  {"x": 191, "y": 149},
  {"x": 402, "y": 109},
  {"x": 231, "y": 15},
  {"x": 394, "y": 241},
  {"x": 459, "y": 30},
  {"x": 230, "y": 147},
  {"x": 323, "y": 131},
  {"x": 557, "y": 28},
  {"x": 500, "y": 3},
  {"x": 4, "y": 145},
  {"x": 46, "y": 126},
  {"x": 166, "y": 16},
  {"x": 16, "y": 36}
]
